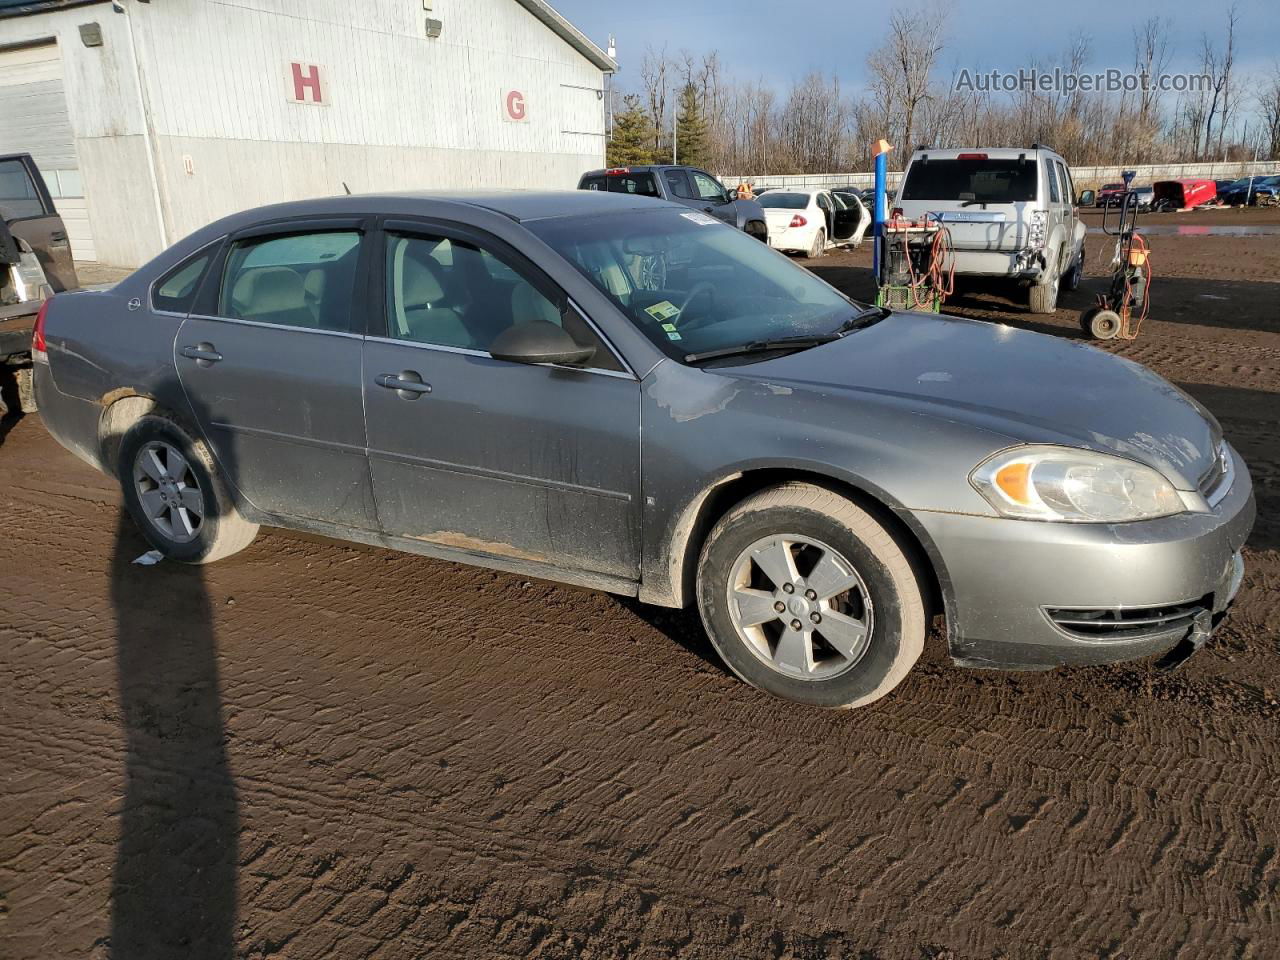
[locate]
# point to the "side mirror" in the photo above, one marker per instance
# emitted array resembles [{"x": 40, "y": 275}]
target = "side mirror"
[
  {"x": 539, "y": 342},
  {"x": 1088, "y": 198}
]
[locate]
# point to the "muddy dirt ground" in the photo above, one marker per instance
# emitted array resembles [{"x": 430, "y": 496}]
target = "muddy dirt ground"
[{"x": 322, "y": 750}]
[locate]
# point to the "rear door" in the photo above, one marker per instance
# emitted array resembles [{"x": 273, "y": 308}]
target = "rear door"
[
  {"x": 270, "y": 361},
  {"x": 985, "y": 200},
  {"x": 848, "y": 216},
  {"x": 27, "y": 208},
  {"x": 535, "y": 464}
]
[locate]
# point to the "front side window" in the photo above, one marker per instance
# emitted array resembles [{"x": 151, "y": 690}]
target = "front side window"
[
  {"x": 708, "y": 188},
  {"x": 298, "y": 280},
  {"x": 692, "y": 286},
  {"x": 982, "y": 179},
  {"x": 451, "y": 293},
  {"x": 18, "y": 197}
]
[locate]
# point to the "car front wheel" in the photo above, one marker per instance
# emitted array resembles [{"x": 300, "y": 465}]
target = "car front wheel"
[
  {"x": 176, "y": 497},
  {"x": 806, "y": 596}
]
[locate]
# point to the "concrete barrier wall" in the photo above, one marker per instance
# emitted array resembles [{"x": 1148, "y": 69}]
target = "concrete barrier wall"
[{"x": 1084, "y": 178}]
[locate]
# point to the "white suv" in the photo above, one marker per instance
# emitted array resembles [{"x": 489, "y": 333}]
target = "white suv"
[{"x": 1010, "y": 211}]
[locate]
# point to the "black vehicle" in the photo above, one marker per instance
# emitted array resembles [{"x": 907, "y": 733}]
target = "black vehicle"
[
  {"x": 687, "y": 185},
  {"x": 35, "y": 263}
]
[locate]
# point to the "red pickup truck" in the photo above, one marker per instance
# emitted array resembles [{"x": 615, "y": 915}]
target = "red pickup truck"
[{"x": 35, "y": 263}]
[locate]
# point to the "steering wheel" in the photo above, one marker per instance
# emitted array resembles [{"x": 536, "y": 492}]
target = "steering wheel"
[{"x": 697, "y": 290}]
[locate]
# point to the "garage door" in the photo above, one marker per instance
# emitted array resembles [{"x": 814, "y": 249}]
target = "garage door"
[{"x": 33, "y": 119}]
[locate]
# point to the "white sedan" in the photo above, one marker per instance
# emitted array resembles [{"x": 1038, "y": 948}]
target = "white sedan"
[{"x": 813, "y": 221}]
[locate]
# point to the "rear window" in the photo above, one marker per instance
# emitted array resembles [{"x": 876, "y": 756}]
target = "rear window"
[
  {"x": 641, "y": 184},
  {"x": 986, "y": 181},
  {"x": 784, "y": 201}
]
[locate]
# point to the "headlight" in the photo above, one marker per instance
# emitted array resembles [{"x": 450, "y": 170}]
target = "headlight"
[{"x": 1075, "y": 486}]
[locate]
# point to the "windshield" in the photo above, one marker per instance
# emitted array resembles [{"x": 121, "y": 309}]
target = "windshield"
[
  {"x": 692, "y": 284},
  {"x": 785, "y": 201},
  {"x": 984, "y": 180}
]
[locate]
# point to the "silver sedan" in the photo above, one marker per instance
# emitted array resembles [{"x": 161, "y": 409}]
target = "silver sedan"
[{"x": 624, "y": 394}]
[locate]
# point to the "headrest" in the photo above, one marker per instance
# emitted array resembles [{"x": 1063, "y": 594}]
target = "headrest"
[
  {"x": 420, "y": 284},
  {"x": 268, "y": 290}
]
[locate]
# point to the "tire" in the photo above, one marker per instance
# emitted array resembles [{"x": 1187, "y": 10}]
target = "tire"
[
  {"x": 27, "y": 390},
  {"x": 811, "y": 524},
  {"x": 1043, "y": 297},
  {"x": 819, "y": 246},
  {"x": 1072, "y": 281},
  {"x": 1102, "y": 324},
  {"x": 212, "y": 528}
]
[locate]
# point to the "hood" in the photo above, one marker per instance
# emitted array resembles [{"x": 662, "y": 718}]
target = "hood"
[{"x": 1030, "y": 387}]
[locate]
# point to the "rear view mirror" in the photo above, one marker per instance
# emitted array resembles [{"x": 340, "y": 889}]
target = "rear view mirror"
[{"x": 539, "y": 342}]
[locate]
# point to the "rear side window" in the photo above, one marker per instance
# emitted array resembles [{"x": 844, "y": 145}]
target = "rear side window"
[
  {"x": 678, "y": 184},
  {"x": 1051, "y": 178},
  {"x": 299, "y": 280},
  {"x": 176, "y": 290},
  {"x": 986, "y": 180},
  {"x": 1067, "y": 193},
  {"x": 18, "y": 197}
]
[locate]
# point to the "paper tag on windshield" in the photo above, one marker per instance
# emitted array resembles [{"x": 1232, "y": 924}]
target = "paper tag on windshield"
[
  {"x": 663, "y": 311},
  {"x": 701, "y": 219}
]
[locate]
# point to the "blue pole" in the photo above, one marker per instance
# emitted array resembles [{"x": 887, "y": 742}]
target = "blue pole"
[{"x": 877, "y": 215}]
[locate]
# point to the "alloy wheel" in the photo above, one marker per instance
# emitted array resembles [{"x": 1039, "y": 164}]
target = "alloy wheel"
[
  {"x": 168, "y": 491},
  {"x": 800, "y": 607}
]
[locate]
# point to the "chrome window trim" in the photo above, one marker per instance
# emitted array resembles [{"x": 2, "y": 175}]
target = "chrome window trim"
[
  {"x": 468, "y": 352},
  {"x": 347, "y": 334}
]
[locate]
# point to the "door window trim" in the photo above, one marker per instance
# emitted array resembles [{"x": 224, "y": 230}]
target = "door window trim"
[
  {"x": 378, "y": 328},
  {"x": 206, "y": 304}
]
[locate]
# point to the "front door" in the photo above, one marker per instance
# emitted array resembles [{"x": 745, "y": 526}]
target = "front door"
[
  {"x": 270, "y": 364},
  {"x": 713, "y": 198},
  {"x": 25, "y": 205},
  {"x": 536, "y": 464}
]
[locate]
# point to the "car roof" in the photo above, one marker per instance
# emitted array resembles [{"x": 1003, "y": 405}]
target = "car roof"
[
  {"x": 641, "y": 168},
  {"x": 998, "y": 153},
  {"x": 519, "y": 205}
]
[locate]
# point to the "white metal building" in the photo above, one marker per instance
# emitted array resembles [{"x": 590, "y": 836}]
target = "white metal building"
[{"x": 149, "y": 118}]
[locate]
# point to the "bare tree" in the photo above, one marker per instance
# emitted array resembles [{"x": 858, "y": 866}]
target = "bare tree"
[
  {"x": 1269, "y": 107},
  {"x": 902, "y": 67}
]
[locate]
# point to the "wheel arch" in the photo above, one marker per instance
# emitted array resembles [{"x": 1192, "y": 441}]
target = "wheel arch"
[
  {"x": 718, "y": 498},
  {"x": 121, "y": 409}
]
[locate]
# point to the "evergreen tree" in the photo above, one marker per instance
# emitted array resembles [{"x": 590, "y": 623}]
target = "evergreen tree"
[
  {"x": 691, "y": 132},
  {"x": 632, "y": 135}
]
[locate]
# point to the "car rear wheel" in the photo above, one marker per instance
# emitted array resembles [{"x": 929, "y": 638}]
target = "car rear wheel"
[
  {"x": 1043, "y": 297},
  {"x": 819, "y": 246},
  {"x": 176, "y": 497},
  {"x": 806, "y": 596}
]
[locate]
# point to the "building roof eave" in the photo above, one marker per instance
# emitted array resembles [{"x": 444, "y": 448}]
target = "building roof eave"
[{"x": 570, "y": 34}]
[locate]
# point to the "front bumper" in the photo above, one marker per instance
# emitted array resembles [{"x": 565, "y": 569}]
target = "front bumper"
[{"x": 1005, "y": 576}]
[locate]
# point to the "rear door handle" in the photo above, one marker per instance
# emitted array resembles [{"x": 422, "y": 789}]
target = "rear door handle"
[
  {"x": 408, "y": 384},
  {"x": 203, "y": 354}
]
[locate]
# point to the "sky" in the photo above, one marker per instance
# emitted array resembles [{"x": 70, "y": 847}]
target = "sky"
[{"x": 782, "y": 42}]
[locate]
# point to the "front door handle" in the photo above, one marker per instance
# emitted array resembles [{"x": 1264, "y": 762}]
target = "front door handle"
[
  {"x": 407, "y": 384},
  {"x": 202, "y": 353}
]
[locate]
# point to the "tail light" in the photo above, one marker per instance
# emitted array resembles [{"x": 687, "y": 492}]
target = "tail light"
[
  {"x": 1037, "y": 230},
  {"x": 798, "y": 221},
  {"x": 38, "y": 345}
]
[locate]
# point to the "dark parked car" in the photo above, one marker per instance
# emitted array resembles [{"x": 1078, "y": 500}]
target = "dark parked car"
[
  {"x": 1252, "y": 191},
  {"x": 685, "y": 185},
  {"x": 625, "y": 394},
  {"x": 35, "y": 261}
]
